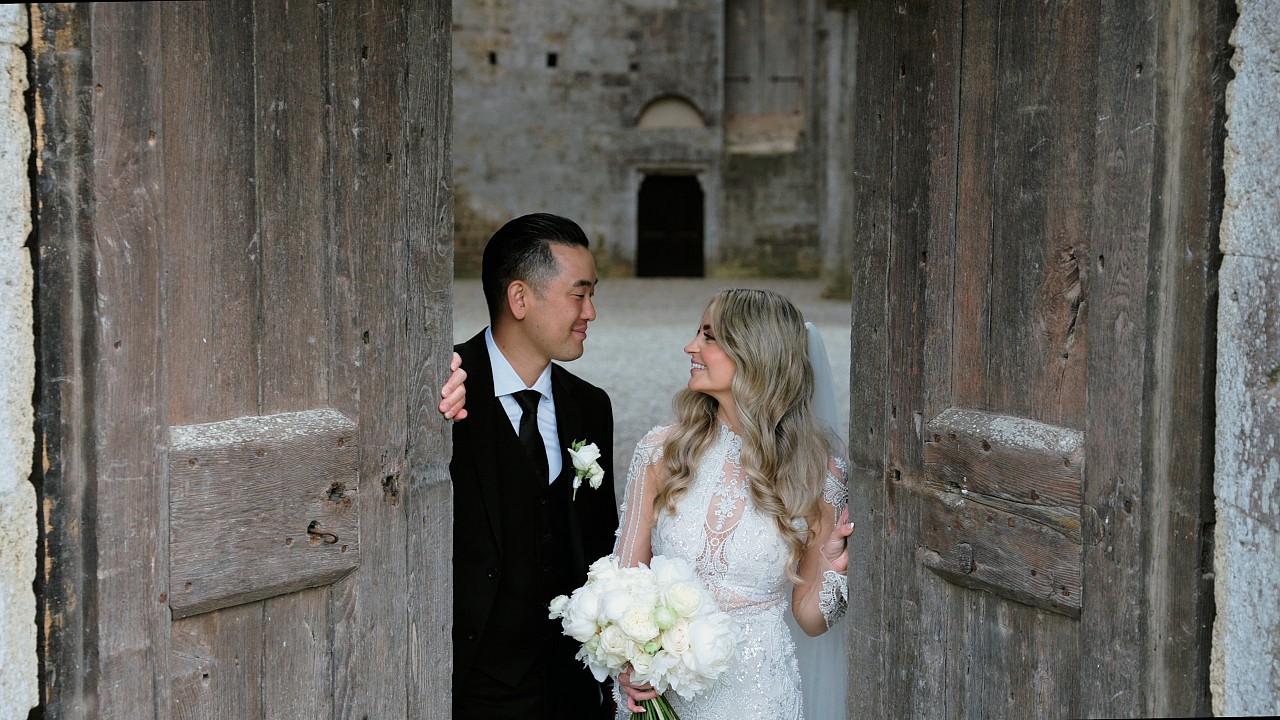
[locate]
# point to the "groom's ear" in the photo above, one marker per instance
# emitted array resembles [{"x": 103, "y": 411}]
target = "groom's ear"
[{"x": 517, "y": 292}]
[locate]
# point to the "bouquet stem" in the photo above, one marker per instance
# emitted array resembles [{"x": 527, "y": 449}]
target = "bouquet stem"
[{"x": 656, "y": 709}]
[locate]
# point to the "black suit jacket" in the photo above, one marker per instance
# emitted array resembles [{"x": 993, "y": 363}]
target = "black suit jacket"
[{"x": 485, "y": 447}]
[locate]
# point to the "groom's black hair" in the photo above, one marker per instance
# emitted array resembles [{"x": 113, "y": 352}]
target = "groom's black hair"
[{"x": 521, "y": 250}]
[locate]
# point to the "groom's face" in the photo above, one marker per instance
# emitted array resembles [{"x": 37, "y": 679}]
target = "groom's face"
[{"x": 556, "y": 318}]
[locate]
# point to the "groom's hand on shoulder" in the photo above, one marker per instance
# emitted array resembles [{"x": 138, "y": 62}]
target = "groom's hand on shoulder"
[{"x": 454, "y": 392}]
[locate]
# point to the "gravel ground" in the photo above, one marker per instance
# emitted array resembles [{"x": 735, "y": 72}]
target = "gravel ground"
[{"x": 635, "y": 346}]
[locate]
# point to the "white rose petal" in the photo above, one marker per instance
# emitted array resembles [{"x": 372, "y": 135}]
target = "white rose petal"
[
  {"x": 638, "y": 623},
  {"x": 684, "y": 598},
  {"x": 676, "y": 639},
  {"x": 558, "y": 604},
  {"x": 584, "y": 457}
]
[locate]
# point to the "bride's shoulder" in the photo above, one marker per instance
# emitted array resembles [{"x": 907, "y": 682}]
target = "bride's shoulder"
[
  {"x": 650, "y": 446},
  {"x": 658, "y": 434}
]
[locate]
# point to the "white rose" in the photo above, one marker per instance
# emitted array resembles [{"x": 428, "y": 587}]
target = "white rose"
[
  {"x": 584, "y": 457},
  {"x": 557, "y": 606},
  {"x": 638, "y": 623},
  {"x": 641, "y": 665},
  {"x": 675, "y": 640},
  {"x": 603, "y": 570},
  {"x": 685, "y": 598},
  {"x": 615, "y": 647},
  {"x": 597, "y": 477}
]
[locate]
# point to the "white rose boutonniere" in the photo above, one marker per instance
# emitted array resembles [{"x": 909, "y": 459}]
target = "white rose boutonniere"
[{"x": 585, "y": 465}]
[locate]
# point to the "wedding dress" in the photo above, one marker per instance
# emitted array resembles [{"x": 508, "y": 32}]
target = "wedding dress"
[{"x": 742, "y": 558}]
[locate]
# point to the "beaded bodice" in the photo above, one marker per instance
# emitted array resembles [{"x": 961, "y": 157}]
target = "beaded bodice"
[{"x": 741, "y": 556}]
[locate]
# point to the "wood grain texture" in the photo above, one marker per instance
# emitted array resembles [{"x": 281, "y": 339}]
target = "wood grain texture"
[
  {"x": 211, "y": 282},
  {"x": 428, "y": 195},
  {"x": 1113, "y": 624},
  {"x": 65, "y": 589},
  {"x": 247, "y": 500},
  {"x": 129, "y": 488},
  {"x": 1190, "y": 111},
  {"x": 370, "y": 351},
  {"x": 868, "y": 405},
  {"x": 916, "y": 593},
  {"x": 291, "y": 171}
]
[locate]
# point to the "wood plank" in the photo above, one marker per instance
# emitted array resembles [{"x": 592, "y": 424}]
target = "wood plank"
[
  {"x": 259, "y": 507},
  {"x": 211, "y": 676},
  {"x": 211, "y": 300},
  {"x": 980, "y": 545},
  {"x": 975, "y": 666},
  {"x": 1194, "y": 46},
  {"x": 874, "y": 116},
  {"x": 63, "y": 85},
  {"x": 370, "y": 372},
  {"x": 971, "y": 314},
  {"x": 292, "y": 164},
  {"x": 207, "y": 141},
  {"x": 1015, "y": 459},
  {"x": 1043, "y": 154},
  {"x": 917, "y": 649},
  {"x": 129, "y": 490},
  {"x": 1113, "y": 624},
  {"x": 427, "y": 191}
]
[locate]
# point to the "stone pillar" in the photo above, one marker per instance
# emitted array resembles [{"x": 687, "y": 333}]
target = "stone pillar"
[
  {"x": 19, "y": 689},
  {"x": 1245, "y": 667}
]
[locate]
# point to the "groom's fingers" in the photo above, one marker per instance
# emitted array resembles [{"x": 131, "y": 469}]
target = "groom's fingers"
[{"x": 454, "y": 391}]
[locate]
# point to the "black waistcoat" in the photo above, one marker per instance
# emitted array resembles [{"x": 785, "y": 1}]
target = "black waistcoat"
[{"x": 537, "y": 565}]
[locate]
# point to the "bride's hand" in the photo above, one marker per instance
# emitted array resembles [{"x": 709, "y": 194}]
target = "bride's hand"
[
  {"x": 836, "y": 548},
  {"x": 635, "y": 693}
]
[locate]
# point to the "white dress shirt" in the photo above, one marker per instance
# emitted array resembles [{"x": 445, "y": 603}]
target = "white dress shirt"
[{"x": 506, "y": 382}]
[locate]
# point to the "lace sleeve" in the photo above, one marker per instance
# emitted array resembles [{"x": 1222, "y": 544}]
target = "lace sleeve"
[
  {"x": 820, "y": 601},
  {"x": 634, "y": 543}
]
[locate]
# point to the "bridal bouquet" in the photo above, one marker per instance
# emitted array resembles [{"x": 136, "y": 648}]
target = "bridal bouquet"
[{"x": 659, "y": 619}]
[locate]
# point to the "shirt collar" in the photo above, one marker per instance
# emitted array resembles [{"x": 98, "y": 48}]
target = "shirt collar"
[{"x": 505, "y": 379}]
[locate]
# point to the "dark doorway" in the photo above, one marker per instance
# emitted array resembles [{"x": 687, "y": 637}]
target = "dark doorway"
[{"x": 669, "y": 236}]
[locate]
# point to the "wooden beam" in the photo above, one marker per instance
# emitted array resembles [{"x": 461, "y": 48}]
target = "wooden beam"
[{"x": 260, "y": 506}]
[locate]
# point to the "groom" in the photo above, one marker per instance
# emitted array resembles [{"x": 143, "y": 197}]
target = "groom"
[{"x": 521, "y": 537}]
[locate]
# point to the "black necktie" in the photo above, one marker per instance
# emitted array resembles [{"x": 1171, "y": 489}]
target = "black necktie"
[{"x": 529, "y": 435}]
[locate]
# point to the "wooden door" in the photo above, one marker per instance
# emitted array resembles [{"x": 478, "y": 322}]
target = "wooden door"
[
  {"x": 245, "y": 286},
  {"x": 1038, "y": 194}
]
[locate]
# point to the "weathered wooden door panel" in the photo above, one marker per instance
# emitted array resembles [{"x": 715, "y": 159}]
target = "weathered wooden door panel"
[
  {"x": 262, "y": 238},
  {"x": 1013, "y": 180}
]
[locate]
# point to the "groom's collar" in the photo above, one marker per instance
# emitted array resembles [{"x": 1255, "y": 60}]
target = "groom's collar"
[{"x": 505, "y": 378}]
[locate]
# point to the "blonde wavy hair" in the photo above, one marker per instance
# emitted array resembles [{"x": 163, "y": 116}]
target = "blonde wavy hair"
[{"x": 784, "y": 454}]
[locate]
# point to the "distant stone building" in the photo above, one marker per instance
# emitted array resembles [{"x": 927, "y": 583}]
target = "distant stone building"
[{"x": 688, "y": 137}]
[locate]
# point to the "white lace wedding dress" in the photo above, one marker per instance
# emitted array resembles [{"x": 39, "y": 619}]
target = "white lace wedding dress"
[{"x": 742, "y": 558}]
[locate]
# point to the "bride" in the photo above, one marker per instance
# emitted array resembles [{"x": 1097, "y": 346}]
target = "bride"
[{"x": 744, "y": 486}]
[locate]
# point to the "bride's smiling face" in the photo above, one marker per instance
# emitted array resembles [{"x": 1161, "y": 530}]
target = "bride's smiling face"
[{"x": 712, "y": 370}]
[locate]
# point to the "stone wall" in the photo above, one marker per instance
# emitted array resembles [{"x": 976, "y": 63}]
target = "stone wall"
[
  {"x": 537, "y": 133},
  {"x": 18, "y": 685},
  {"x": 1245, "y": 670}
]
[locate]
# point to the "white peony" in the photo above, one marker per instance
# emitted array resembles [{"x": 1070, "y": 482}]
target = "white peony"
[
  {"x": 713, "y": 641},
  {"x": 659, "y": 620},
  {"x": 614, "y": 604}
]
